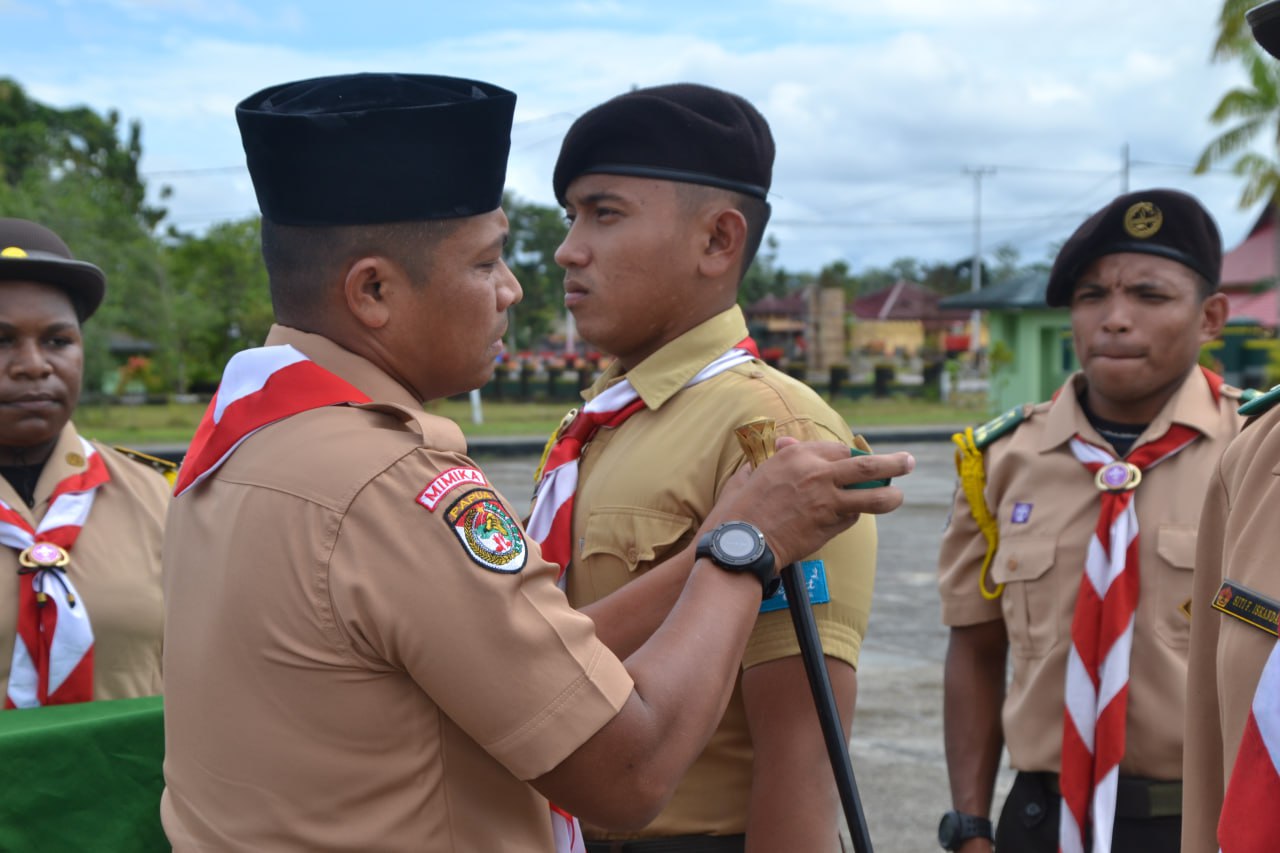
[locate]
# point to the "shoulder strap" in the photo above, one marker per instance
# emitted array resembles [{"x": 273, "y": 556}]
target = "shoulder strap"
[
  {"x": 166, "y": 468},
  {"x": 972, "y": 472},
  {"x": 1257, "y": 402}
]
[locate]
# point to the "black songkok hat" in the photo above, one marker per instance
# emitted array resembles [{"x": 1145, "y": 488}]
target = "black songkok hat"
[
  {"x": 1166, "y": 223},
  {"x": 1264, "y": 20},
  {"x": 31, "y": 252},
  {"x": 364, "y": 149},
  {"x": 682, "y": 132}
]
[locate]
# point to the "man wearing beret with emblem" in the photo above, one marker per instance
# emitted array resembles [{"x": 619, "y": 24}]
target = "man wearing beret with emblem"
[
  {"x": 1071, "y": 545},
  {"x": 1232, "y": 759},
  {"x": 80, "y": 522},
  {"x": 365, "y": 650},
  {"x": 666, "y": 190}
]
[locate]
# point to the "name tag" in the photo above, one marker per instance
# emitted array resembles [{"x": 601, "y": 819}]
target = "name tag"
[
  {"x": 1248, "y": 606},
  {"x": 815, "y": 578}
]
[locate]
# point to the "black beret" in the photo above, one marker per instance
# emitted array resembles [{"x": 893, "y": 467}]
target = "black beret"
[
  {"x": 682, "y": 132},
  {"x": 31, "y": 252},
  {"x": 1264, "y": 20},
  {"x": 363, "y": 149},
  {"x": 1167, "y": 223}
]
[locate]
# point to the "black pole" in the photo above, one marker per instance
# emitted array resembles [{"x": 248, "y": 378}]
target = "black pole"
[{"x": 823, "y": 697}]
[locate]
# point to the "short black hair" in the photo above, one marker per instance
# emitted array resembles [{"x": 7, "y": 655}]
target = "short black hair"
[
  {"x": 303, "y": 261},
  {"x": 754, "y": 210}
]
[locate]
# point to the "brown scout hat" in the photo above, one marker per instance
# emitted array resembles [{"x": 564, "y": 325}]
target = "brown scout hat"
[{"x": 31, "y": 252}]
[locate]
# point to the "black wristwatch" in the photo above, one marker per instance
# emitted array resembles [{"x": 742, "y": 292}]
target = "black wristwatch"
[
  {"x": 957, "y": 827},
  {"x": 737, "y": 546}
]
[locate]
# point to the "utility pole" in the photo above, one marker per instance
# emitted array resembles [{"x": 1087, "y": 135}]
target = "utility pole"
[
  {"x": 1124, "y": 168},
  {"x": 975, "y": 268}
]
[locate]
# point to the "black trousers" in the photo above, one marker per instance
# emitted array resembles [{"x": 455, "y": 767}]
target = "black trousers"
[{"x": 1029, "y": 822}]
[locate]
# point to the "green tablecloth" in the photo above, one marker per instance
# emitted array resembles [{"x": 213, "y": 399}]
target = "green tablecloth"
[{"x": 83, "y": 777}]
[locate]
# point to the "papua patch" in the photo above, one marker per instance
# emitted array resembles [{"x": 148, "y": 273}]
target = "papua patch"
[
  {"x": 1248, "y": 606},
  {"x": 488, "y": 533},
  {"x": 446, "y": 482}
]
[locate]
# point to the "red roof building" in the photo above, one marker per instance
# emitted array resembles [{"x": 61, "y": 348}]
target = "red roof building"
[{"x": 1249, "y": 272}]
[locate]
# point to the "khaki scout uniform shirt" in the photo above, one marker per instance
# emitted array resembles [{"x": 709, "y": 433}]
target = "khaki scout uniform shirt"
[
  {"x": 645, "y": 487},
  {"x": 345, "y": 675},
  {"x": 1041, "y": 561},
  {"x": 1239, "y": 541},
  {"x": 115, "y": 566}
]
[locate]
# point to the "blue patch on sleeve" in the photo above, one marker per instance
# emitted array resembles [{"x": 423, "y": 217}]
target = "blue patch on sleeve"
[{"x": 815, "y": 577}]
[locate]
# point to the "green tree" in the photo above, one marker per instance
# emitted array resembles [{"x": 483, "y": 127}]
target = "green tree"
[
  {"x": 70, "y": 170},
  {"x": 1250, "y": 110},
  {"x": 536, "y": 232},
  {"x": 764, "y": 277},
  {"x": 216, "y": 298}
]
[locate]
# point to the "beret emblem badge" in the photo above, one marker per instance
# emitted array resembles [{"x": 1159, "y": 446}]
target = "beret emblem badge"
[{"x": 1143, "y": 220}]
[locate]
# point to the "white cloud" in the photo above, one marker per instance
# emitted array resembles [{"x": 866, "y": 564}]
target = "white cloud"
[{"x": 877, "y": 107}]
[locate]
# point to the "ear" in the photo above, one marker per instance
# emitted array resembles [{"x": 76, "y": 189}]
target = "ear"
[
  {"x": 726, "y": 237},
  {"x": 365, "y": 291},
  {"x": 1213, "y": 316}
]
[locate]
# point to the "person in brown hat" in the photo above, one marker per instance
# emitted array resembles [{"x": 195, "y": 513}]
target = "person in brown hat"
[
  {"x": 1070, "y": 547},
  {"x": 1233, "y": 675},
  {"x": 80, "y": 521},
  {"x": 666, "y": 189},
  {"x": 363, "y": 649}
]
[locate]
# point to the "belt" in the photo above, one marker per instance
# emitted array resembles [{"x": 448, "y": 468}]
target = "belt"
[
  {"x": 1135, "y": 797},
  {"x": 672, "y": 844}
]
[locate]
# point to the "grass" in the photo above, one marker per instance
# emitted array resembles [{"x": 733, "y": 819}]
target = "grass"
[{"x": 174, "y": 423}]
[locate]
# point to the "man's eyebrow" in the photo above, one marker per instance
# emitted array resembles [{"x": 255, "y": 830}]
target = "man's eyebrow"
[{"x": 603, "y": 195}]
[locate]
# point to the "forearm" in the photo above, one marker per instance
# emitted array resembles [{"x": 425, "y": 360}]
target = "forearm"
[
  {"x": 684, "y": 675},
  {"x": 973, "y": 694},
  {"x": 627, "y": 617}
]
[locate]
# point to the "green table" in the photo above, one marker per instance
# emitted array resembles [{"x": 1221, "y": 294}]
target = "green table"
[{"x": 83, "y": 777}]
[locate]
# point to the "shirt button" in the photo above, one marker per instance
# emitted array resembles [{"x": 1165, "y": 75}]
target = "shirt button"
[{"x": 1013, "y": 564}]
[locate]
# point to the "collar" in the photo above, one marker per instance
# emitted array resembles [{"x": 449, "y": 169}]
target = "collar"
[
  {"x": 387, "y": 394},
  {"x": 1192, "y": 405},
  {"x": 661, "y": 376},
  {"x": 67, "y": 458}
]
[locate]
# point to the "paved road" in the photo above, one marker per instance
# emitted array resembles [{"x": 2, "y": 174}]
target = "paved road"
[{"x": 897, "y": 741}]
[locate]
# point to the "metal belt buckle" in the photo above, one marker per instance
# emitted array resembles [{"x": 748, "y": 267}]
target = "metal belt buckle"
[{"x": 1118, "y": 476}]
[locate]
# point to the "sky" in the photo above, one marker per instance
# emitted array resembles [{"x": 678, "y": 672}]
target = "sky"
[{"x": 896, "y": 121}]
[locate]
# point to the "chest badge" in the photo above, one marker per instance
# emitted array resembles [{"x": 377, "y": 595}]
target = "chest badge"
[{"x": 489, "y": 535}]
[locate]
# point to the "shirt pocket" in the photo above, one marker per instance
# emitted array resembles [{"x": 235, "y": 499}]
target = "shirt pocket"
[
  {"x": 631, "y": 537},
  {"x": 1031, "y": 600},
  {"x": 1176, "y": 548}
]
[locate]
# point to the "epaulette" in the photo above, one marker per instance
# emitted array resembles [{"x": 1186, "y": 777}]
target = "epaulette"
[
  {"x": 168, "y": 469},
  {"x": 1258, "y": 402},
  {"x": 998, "y": 426}
]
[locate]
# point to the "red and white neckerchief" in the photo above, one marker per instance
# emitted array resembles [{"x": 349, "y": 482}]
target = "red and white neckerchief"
[
  {"x": 1250, "y": 820},
  {"x": 259, "y": 387},
  {"x": 53, "y": 651},
  {"x": 1097, "y": 685},
  {"x": 551, "y": 519}
]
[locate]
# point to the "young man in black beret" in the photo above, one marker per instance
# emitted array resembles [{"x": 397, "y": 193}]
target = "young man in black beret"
[
  {"x": 362, "y": 649},
  {"x": 666, "y": 189},
  {"x": 1071, "y": 544}
]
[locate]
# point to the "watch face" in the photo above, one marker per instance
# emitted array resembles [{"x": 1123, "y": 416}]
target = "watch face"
[
  {"x": 738, "y": 543},
  {"x": 948, "y": 829}
]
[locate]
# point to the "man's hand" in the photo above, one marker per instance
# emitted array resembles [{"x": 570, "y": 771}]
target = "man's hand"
[{"x": 798, "y": 497}]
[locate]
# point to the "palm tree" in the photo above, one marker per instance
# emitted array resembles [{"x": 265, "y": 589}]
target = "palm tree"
[{"x": 1254, "y": 109}]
